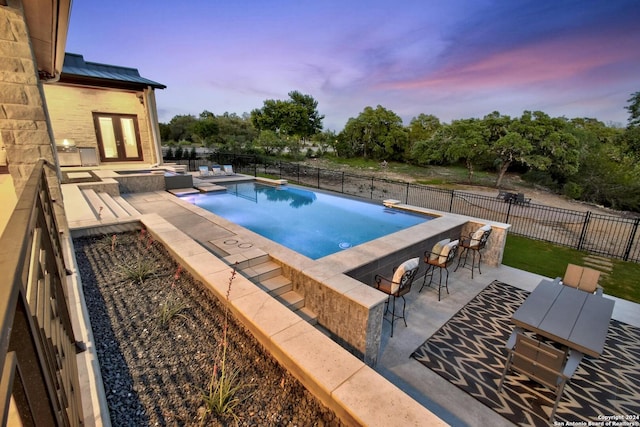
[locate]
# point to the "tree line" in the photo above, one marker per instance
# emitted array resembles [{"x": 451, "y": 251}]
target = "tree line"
[{"x": 580, "y": 157}]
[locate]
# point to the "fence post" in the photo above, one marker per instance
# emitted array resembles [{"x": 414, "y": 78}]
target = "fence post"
[
  {"x": 583, "y": 233},
  {"x": 318, "y": 177},
  {"x": 371, "y": 196},
  {"x": 632, "y": 236},
  {"x": 509, "y": 210},
  {"x": 451, "y": 201},
  {"x": 406, "y": 197},
  {"x": 298, "y": 173},
  {"x": 342, "y": 183}
]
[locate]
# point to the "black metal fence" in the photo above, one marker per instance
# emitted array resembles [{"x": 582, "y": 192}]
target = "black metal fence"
[
  {"x": 38, "y": 347},
  {"x": 607, "y": 235}
]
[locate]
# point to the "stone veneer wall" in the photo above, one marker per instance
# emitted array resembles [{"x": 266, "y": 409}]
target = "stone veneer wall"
[
  {"x": 25, "y": 129},
  {"x": 71, "y": 107}
]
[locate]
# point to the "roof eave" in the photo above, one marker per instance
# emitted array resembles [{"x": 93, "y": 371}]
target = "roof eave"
[
  {"x": 107, "y": 83},
  {"x": 48, "y": 23}
]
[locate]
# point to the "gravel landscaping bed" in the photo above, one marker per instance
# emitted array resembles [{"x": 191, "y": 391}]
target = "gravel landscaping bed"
[{"x": 157, "y": 363}]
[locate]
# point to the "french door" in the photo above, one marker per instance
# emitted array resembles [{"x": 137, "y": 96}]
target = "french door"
[{"x": 118, "y": 137}]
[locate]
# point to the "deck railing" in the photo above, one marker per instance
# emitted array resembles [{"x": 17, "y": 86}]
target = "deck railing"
[
  {"x": 37, "y": 347},
  {"x": 607, "y": 235}
]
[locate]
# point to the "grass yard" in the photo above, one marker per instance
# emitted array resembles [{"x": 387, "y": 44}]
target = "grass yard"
[{"x": 551, "y": 261}]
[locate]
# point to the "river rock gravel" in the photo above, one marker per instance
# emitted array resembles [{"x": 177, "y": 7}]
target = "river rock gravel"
[{"x": 156, "y": 372}]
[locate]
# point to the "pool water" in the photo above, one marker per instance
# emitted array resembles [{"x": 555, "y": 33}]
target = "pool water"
[{"x": 314, "y": 224}]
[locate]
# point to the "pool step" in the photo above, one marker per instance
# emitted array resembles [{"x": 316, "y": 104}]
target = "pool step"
[
  {"x": 268, "y": 275},
  {"x": 277, "y": 285},
  {"x": 262, "y": 271},
  {"x": 104, "y": 206},
  {"x": 293, "y": 300}
]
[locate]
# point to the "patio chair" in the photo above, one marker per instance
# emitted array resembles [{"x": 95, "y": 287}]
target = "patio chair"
[
  {"x": 475, "y": 243},
  {"x": 228, "y": 170},
  {"x": 217, "y": 170},
  {"x": 398, "y": 287},
  {"x": 204, "y": 170},
  {"x": 582, "y": 278},
  {"x": 441, "y": 256},
  {"x": 542, "y": 363}
]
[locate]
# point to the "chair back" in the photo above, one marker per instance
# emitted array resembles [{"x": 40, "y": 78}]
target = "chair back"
[
  {"x": 582, "y": 278},
  {"x": 448, "y": 253},
  {"x": 480, "y": 237},
  {"x": 539, "y": 361},
  {"x": 407, "y": 280}
]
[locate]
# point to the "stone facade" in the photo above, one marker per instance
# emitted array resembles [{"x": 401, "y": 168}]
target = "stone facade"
[
  {"x": 71, "y": 107},
  {"x": 24, "y": 123}
]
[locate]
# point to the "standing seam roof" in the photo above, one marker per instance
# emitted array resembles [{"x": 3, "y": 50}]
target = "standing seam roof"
[{"x": 75, "y": 65}]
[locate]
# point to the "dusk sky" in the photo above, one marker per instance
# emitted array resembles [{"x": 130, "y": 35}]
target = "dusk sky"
[{"x": 453, "y": 59}]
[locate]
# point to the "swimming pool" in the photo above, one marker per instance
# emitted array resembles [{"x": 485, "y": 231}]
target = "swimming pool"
[{"x": 314, "y": 224}]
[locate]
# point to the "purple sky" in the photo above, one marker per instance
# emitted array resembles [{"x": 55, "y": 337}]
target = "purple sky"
[{"x": 453, "y": 59}]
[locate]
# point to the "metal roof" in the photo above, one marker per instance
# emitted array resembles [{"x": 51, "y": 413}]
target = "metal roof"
[{"x": 75, "y": 68}]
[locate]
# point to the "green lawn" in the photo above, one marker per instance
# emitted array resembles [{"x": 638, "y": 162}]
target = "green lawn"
[{"x": 550, "y": 260}]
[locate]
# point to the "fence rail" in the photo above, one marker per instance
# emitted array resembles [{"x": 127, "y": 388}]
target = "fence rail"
[
  {"x": 607, "y": 235},
  {"x": 37, "y": 348}
]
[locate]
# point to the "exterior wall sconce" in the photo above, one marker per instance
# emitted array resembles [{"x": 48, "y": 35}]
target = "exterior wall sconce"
[{"x": 140, "y": 98}]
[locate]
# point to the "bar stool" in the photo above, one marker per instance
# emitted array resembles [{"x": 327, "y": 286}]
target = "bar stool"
[{"x": 474, "y": 243}]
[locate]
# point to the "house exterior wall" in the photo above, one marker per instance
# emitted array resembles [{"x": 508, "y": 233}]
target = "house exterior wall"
[
  {"x": 24, "y": 123},
  {"x": 71, "y": 110}
]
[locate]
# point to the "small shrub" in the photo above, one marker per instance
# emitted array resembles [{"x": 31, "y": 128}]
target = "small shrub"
[
  {"x": 172, "y": 307},
  {"x": 573, "y": 190},
  {"x": 222, "y": 396},
  {"x": 139, "y": 270}
]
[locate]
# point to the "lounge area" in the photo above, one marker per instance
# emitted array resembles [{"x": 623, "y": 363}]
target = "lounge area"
[{"x": 452, "y": 355}]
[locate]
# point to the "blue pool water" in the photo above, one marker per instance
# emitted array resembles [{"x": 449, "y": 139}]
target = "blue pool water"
[{"x": 314, "y": 224}]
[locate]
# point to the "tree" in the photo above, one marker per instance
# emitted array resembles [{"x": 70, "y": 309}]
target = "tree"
[
  {"x": 296, "y": 116},
  {"x": 421, "y": 130},
  {"x": 634, "y": 110},
  {"x": 377, "y": 134},
  {"x": 181, "y": 128},
  {"x": 423, "y": 127},
  {"x": 464, "y": 141},
  {"x": 514, "y": 143},
  {"x": 235, "y": 133},
  {"x": 508, "y": 149},
  {"x": 555, "y": 149},
  {"x": 205, "y": 129},
  {"x": 270, "y": 143},
  {"x": 310, "y": 121}
]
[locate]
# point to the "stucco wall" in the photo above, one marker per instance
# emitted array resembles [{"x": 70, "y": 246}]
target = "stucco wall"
[{"x": 71, "y": 110}]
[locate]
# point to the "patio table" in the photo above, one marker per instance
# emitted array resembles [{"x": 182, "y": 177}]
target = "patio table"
[{"x": 568, "y": 316}]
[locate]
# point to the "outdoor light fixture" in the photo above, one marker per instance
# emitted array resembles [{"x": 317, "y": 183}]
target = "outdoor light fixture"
[{"x": 67, "y": 143}]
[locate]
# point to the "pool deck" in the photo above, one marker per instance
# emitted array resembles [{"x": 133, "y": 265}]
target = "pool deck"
[{"x": 424, "y": 313}]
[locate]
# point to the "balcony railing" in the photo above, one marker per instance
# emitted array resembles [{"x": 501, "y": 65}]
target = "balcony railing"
[{"x": 39, "y": 382}]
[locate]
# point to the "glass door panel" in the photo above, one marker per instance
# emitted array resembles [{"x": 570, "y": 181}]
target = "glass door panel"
[
  {"x": 108, "y": 137},
  {"x": 129, "y": 137}
]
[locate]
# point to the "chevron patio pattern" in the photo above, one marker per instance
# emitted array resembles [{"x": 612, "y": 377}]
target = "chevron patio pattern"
[{"x": 469, "y": 351}]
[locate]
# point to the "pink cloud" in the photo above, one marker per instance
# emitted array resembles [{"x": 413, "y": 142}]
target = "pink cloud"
[{"x": 546, "y": 62}]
